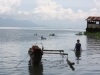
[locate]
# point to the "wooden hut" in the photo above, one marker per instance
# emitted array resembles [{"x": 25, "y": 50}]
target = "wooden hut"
[{"x": 93, "y": 24}]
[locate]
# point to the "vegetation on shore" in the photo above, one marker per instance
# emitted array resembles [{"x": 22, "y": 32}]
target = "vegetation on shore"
[
  {"x": 52, "y": 34},
  {"x": 80, "y": 33},
  {"x": 95, "y": 34}
]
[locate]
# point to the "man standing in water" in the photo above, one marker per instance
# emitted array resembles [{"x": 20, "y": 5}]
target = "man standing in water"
[{"x": 78, "y": 49}]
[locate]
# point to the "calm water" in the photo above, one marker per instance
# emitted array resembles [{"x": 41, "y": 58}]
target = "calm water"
[{"x": 15, "y": 43}]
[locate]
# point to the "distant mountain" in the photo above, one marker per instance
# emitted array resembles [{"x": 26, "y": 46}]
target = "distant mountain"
[{"x": 16, "y": 23}]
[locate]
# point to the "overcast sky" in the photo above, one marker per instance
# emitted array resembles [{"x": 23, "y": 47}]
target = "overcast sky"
[{"x": 60, "y": 13}]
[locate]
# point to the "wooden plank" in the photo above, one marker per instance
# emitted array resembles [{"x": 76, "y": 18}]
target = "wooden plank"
[
  {"x": 65, "y": 53},
  {"x": 55, "y": 50},
  {"x": 56, "y": 53}
]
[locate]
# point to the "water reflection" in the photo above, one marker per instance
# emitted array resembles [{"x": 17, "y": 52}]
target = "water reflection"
[
  {"x": 71, "y": 64},
  {"x": 78, "y": 55},
  {"x": 93, "y": 45},
  {"x": 36, "y": 69}
]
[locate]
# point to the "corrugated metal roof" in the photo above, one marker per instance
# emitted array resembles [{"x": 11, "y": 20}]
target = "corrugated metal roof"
[{"x": 93, "y": 18}]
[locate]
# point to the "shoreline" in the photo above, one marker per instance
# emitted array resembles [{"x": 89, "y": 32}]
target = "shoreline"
[{"x": 95, "y": 34}]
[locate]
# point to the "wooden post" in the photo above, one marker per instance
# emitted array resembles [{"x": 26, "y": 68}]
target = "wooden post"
[
  {"x": 99, "y": 24},
  {"x": 87, "y": 23}
]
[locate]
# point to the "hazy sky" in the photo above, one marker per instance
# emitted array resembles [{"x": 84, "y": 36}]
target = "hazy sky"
[{"x": 60, "y": 13}]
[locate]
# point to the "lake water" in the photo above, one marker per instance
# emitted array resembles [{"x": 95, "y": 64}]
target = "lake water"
[{"x": 15, "y": 43}]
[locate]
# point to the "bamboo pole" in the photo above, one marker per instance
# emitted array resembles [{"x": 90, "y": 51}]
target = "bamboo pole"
[
  {"x": 55, "y": 53},
  {"x": 55, "y": 50}
]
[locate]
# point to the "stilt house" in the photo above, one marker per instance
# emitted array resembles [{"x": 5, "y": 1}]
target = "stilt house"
[{"x": 93, "y": 24}]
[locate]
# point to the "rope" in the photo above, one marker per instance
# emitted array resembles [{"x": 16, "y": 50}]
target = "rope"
[{"x": 22, "y": 61}]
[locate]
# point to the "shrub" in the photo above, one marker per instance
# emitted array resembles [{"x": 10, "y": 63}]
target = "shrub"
[
  {"x": 80, "y": 33},
  {"x": 52, "y": 34}
]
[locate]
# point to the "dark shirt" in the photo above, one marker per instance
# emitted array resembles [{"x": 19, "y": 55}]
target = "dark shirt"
[{"x": 78, "y": 46}]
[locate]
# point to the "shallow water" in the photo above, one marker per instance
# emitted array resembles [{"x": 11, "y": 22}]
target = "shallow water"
[{"x": 15, "y": 43}]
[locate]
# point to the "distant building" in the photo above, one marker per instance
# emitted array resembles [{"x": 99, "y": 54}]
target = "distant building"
[{"x": 93, "y": 24}]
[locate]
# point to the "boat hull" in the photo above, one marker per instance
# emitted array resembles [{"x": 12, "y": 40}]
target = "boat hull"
[{"x": 35, "y": 56}]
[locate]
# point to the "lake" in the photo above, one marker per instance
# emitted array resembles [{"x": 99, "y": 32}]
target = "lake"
[{"x": 15, "y": 43}]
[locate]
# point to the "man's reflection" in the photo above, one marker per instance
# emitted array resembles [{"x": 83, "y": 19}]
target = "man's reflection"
[
  {"x": 78, "y": 55},
  {"x": 36, "y": 69}
]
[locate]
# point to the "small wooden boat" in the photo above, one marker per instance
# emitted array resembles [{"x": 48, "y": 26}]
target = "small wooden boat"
[
  {"x": 35, "y": 55},
  {"x": 42, "y": 38}
]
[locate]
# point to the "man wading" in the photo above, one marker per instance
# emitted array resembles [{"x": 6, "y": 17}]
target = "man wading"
[{"x": 78, "y": 49}]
